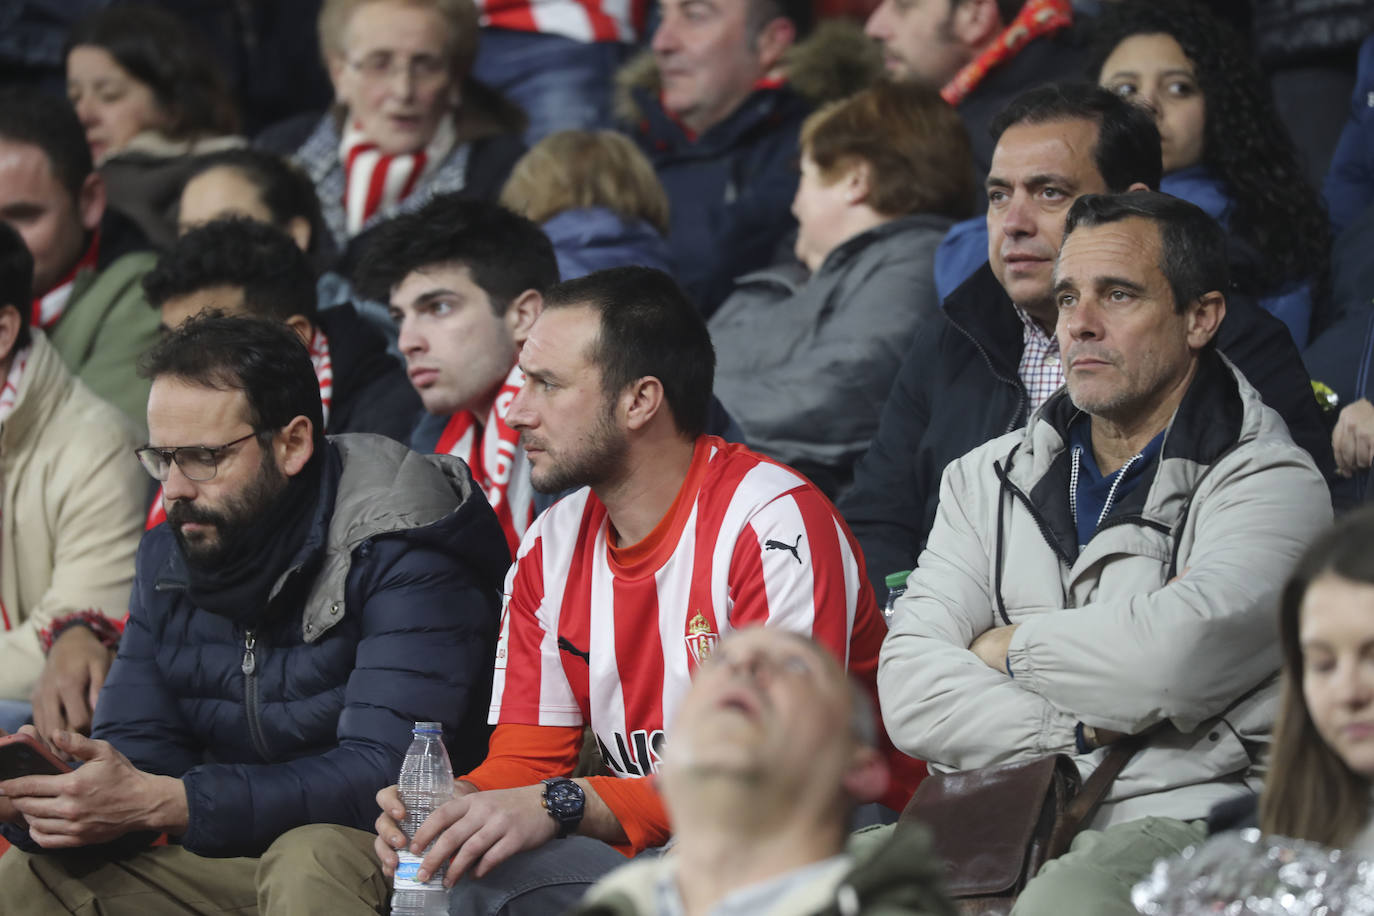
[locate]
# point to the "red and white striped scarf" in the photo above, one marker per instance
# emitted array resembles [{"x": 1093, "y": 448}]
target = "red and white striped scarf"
[
  {"x": 324, "y": 371},
  {"x": 492, "y": 451},
  {"x": 374, "y": 180},
  {"x": 9, "y": 396},
  {"x": 48, "y": 308}
]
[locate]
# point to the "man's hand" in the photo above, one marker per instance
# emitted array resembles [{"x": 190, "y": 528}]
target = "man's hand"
[
  {"x": 479, "y": 831},
  {"x": 64, "y": 697},
  {"x": 104, "y": 799},
  {"x": 1353, "y": 439},
  {"x": 991, "y": 646},
  {"x": 8, "y": 813},
  {"x": 389, "y": 835}
]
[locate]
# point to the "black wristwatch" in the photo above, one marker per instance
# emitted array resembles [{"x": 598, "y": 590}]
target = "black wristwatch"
[{"x": 565, "y": 801}]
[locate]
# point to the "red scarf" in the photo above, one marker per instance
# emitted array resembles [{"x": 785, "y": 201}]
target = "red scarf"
[
  {"x": 1036, "y": 19},
  {"x": 492, "y": 453},
  {"x": 9, "y": 395},
  {"x": 324, "y": 371},
  {"x": 48, "y": 308}
]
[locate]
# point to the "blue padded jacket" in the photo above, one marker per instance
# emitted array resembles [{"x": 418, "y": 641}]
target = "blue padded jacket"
[{"x": 388, "y": 614}]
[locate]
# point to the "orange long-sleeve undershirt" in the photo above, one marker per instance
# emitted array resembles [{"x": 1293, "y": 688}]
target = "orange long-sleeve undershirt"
[{"x": 522, "y": 755}]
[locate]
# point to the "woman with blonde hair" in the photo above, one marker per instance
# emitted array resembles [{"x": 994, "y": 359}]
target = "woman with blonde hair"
[
  {"x": 597, "y": 199},
  {"x": 409, "y": 121},
  {"x": 806, "y": 352}
]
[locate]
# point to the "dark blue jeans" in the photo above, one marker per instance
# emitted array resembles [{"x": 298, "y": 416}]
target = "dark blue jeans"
[
  {"x": 549, "y": 879},
  {"x": 562, "y": 84}
]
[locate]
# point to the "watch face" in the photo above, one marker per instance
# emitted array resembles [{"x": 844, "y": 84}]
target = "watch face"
[{"x": 564, "y": 799}]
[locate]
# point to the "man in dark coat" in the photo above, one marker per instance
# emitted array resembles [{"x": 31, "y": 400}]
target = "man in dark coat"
[
  {"x": 985, "y": 369},
  {"x": 720, "y": 126},
  {"x": 307, "y": 602}
]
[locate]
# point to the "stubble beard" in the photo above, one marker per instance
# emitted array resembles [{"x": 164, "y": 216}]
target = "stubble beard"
[{"x": 598, "y": 459}]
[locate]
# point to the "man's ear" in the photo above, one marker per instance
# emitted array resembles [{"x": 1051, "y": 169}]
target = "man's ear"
[
  {"x": 522, "y": 313},
  {"x": 90, "y": 203},
  {"x": 773, "y": 41},
  {"x": 1137, "y": 186},
  {"x": 298, "y": 227},
  {"x": 1204, "y": 318},
  {"x": 641, "y": 401},
  {"x": 976, "y": 22},
  {"x": 303, "y": 328},
  {"x": 9, "y": 330},
  {"x": 293, "y": 445},
  {"x": 867, "y": 777}
]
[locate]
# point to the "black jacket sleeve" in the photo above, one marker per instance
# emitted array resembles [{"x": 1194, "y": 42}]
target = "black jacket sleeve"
[{"x": 886, "y": 506}]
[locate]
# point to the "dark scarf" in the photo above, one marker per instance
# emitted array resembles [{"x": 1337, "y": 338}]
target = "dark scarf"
[{"x": 239, "y": 584}]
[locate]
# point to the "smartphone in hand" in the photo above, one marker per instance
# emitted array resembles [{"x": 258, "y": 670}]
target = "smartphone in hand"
[{"x": 24, "y": 755}]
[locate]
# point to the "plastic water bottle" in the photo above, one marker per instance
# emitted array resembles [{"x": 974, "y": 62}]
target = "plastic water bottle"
[
  {"x": 896, "y": 587},
  {"x": 426, "y": 783}
]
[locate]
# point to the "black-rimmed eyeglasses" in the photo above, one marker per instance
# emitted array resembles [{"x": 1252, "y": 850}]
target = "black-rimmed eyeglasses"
[{"x": 197, "y": 462}]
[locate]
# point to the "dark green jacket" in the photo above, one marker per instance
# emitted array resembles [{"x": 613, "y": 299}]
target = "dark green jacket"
[{"x": 895, "y": 873}]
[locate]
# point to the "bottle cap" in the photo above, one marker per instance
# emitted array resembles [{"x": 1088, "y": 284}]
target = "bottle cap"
[
  {"x": 897, "y": 579},
  {"x": 429, "y": 727}
]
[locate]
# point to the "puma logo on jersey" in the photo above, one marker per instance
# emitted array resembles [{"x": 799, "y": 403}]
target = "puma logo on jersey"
[
  {"x": 566, "y": 645},
  {"x": 779, "y": 545}
]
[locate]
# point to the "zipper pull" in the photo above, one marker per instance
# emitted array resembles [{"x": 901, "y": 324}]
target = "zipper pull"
[{"x": 250, "y": 664}]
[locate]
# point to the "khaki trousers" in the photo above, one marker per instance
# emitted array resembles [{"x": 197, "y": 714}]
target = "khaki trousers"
[
  {"x": 319, "y": 869},
  {"x": 1095, "y": 877}
]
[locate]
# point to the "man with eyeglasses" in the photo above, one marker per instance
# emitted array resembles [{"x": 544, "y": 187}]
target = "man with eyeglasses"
[
  {"x": 308, "y": 600},
  {"x": 69, "y": 498}
]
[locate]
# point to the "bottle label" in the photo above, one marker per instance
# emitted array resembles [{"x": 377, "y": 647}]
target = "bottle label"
[{"x": 406, "y": 868}]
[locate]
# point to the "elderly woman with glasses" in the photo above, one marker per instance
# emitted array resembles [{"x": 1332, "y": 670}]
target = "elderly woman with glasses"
[{"x": 409, "y": 121}]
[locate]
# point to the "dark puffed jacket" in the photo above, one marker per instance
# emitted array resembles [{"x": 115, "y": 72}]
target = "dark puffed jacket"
[{"x": 387, "y": 615}]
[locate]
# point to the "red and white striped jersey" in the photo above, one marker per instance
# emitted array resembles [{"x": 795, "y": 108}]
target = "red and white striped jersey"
[
  {"x": 606, "y": 636},
  {"x": 580, "y": 20}
]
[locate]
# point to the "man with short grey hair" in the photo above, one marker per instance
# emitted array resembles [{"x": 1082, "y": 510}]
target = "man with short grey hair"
[{"x": 1110, "y": 569}]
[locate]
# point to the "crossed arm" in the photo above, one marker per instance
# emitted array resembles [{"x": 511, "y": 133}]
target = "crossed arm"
[{"x": 960, "y": 691}]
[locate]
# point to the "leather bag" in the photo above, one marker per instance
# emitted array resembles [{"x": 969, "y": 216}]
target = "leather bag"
[{"x": 996, "y": 826}]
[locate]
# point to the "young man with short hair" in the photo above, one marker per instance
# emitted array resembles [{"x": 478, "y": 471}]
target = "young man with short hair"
[{"x": 465, "y": 280}]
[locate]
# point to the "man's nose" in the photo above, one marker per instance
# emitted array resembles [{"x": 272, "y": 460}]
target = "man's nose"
[
  {"x": 408, "y": 340},
  {"x": 519, "y": 415},
  {"x": 1016, "y": 218},
  {"x": 177, "y": 485},
  {"x": 877, "y": 24},
  {"x": 666, "y": 35},
  {"x": 1082, "y": 322}
]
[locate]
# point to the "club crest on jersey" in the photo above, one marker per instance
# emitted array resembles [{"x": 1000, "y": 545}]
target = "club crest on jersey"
[{"x": 701, "y": 642}]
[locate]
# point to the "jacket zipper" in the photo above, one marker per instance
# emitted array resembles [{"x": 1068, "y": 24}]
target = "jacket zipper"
[
  {"x": 250, "y": 695},
  {"x": 1018, "y": 494},
  {"x": 1021, "y": 388}
]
